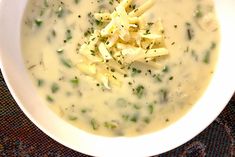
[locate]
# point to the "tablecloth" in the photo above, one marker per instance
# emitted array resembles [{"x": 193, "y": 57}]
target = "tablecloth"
[{"x": 19, "y": 137}]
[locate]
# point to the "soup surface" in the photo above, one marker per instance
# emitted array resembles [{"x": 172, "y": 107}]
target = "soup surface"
[{"x": 146, "y": 98}]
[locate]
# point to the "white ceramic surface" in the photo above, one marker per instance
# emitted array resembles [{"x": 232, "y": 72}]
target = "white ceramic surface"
[{"x": 201, "y": 115}]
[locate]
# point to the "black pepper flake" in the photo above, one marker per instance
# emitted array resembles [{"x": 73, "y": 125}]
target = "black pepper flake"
[
  {"x": 171, "y": 78},
  {"x": 114, "y": 77}
]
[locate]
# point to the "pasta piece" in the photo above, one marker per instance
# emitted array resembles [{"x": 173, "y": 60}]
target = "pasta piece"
[
  {"x": 133, "y": 25},
  {"x": 139, "y": 11},
  {"x": 88, "y": 49},
  {"x": 147, "y": 44},
  {"x": 132, "y": 54},
  {"x": 156, "y": 52},
  {"x": 114, "y": 80},
  {"x": 122, "y": 46},
  {"x": 133, "y": 20},
  {"x": 104, "y": 17},
  {"x": 103, "y": 78},
  {"x": 148, "y": 35},
  {"x": 88, "y": 53},
  {"x": 87, "y": 69},
  {"x": 109, "y": 29},
  {"x": 112, "y": 40},
  {"x": 104, "y": 52},
  {"x": 113, "y": 64},
  {"x": 122, "y": 23}
]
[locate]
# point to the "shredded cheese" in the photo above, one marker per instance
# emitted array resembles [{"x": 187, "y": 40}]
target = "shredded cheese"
[{"x": 126, "y": 38}]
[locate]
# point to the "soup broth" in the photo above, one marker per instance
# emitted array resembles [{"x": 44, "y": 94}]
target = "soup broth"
[{"x": 147, "y": 98}]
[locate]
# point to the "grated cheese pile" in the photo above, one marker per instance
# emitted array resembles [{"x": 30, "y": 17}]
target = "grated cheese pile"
[{"x": 125, "y": 39}]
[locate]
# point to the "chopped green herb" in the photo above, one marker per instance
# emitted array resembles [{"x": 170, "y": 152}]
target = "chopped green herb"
[
  {"x": 139, "y": 91},
  {"x": 190, "y": 32},
  {"x": 194, "y": 55},
  {"x": 206, "y": 58},
  {"x": 213, "y": 45},
  {"x": 38, "y": 22},
  {"x": 137, "y": 107},
  {"x": 94, "y": 124},
  {"x": 68, "y": 35},
  {"x": 66, "y": 63},
  {"x": 146, "y": 120},
  {"x": 40, "y": 82},
  {"x": 125, "y": 117},
  {"x": 98, "y": 22},
  {"x": 72, "y": 118},
  {"x": 55, "y": 88},
  {"x": 84, "y": 111},
  {"x": 150, "y": 23},
  {"x": 198, "y": 12},
  {"x": 60, "y": 12},
  {"x": 165, "y": 69},
  {"x": 135, "y": 72},
  {"x": 135, "y": 117},
  {"x": 76, "y": 1},
  {"x": 112, "y": 70},
  {"x": 147, "y": 32},
  {"x": 163, "y": 95},
  {"x": 171, "y": 78},
  {"x": 132, "y": 6},
  {"x": 110, "y": 125},
  {"x": 89, "y": 31},
  {"x": 111, "y": 2},
  {"x": 150, "y": 109},
  {"x": 158, "y": 77},
  {"x": 46, "y": 3},
  {"x": 75, "y": 81},
  {"x": 49, "y": 98},
  {"x": 53, "y": 32}
]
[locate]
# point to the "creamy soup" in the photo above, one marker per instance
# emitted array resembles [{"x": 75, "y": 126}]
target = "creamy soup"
[{"x": 133, "y": 97}]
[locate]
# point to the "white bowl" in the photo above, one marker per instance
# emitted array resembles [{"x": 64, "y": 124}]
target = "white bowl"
[{"x": 219, "y": 92}]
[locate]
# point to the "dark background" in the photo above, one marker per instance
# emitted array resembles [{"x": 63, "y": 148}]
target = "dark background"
[{"x": 19, "y": 137}]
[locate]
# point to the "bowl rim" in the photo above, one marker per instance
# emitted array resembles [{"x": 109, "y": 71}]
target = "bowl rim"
[{"x": 124, "y": 143}]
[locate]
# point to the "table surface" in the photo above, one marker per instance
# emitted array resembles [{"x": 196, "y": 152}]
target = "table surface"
[{"x": 20, "y": 137}]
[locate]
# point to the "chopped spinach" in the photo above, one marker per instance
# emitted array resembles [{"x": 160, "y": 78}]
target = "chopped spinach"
[
  {"x": 40, "y": 82},
  {"x": 163, "y": 95},
  {"x": 67, "y": 63},
  {"x": 55, "y": 88},
  {"x": 94, "y": 124},
  {"x": 139, "y": 91}
]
